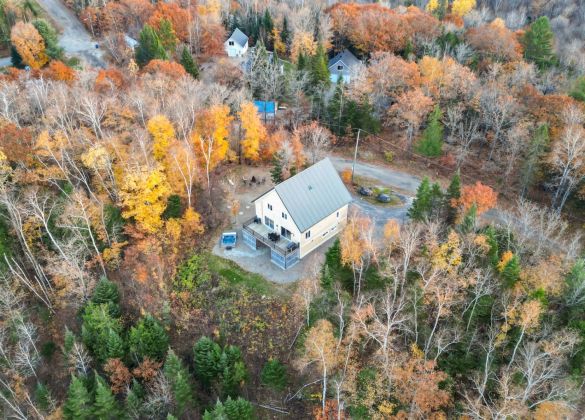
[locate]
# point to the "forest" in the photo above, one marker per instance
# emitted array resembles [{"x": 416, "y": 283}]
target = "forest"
[{"x": 114, "y": 184}]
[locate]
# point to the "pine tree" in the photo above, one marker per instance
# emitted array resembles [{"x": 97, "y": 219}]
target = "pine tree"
[
  {"x": 511, "y": 272},
  {"x": 276, "y": 171},
  {"x": 105, "y": 406},
  {"x": 167, "y": 36},
  {"x": 189, "y": 63},
  {"x": 336, "y": 109},
  {"x": 178, "y": 376},
  {"x": 436, "y": 201},
  {"x": 532, "y": 163},
  {"x": 107, "y": 292},
  {"x": 451, "y": 198},
  {"x": 274, "y": 373},
  {"x": 15, "y": 58},
  {"x": 578, "y": 91},
  {"x": 97, "y": 328},
  {"x": 538, "y": 43},
  {"x": 134, "y": 398},
  {"x": 267, "y": 25},
  {"x": 78, "y": 403},
  {"x": 421, "y": 205},
  {"x": 431, "y": 142},
  {"x": 149, "y": 47},
  {"x": 318, "y": 72},
  {"x": 468, "y": 223},
  {"x": 285, "y": 33},
  {"x": 301, "y": 62},
  {"x": 52, "y": 48},
  {"x": 115, "y": 346},
  {"x": 148, "y": 339},
  {"x": 206, "y": 360},
  {"x": 238, "y": 409},
  {"x": 233, "y": 371}
]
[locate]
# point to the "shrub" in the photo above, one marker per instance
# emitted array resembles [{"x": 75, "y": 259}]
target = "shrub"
[
  {"x": 274, "y": 375},
  {"x": 389, "y": 156}
]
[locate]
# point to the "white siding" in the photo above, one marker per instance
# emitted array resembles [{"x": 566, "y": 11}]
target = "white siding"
[
  {"x": 275, "y": 214},
  {"x": 324, "y": 230},
  {"x": 235, "y": 50}
]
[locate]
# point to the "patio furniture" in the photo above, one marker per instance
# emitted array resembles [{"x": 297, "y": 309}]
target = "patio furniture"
[
  {"x": 253, "y": 179},
  {"x": 244, "y": 180},
  {"x": 263, "y": 180}
]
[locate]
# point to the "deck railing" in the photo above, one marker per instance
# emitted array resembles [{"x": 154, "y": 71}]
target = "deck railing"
[{"x": 291, "y": 248}]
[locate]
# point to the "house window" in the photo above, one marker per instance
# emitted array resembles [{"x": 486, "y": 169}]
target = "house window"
[
  {"x": 285, "y": 232},
  {"x": 269, "y": 222},
  {"x": 340, "y": 67},
  {"x": 308, "y": 234},
  {"x": 269, "y": 206},
  {"x": 338, "y": 215},
  {"x": 284, "y": 216},
  {"x": 231, "y": 43}
]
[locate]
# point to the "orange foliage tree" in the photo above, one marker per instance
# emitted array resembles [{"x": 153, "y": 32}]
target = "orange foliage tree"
[
  {"x": 57, "y": 70},
  {"x": 29, "y": 44},
  {"x": 483, "y": 196},
  {"x": 169, "y": 68},
  {"x": 410, "y": 111},
  {"x": 495, "y": 41},
  {"x": 174, "y": 13},
  {"x": 210, "y": 137}
]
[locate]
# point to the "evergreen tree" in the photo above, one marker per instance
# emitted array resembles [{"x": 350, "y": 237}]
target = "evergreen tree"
[
  {"x": 511, "y": 272},
  {"x": 107, "y": 292},
  {"x": 78, "y": 403},
  {"x": 468, "y": 223},
  {"x": 274, "y": 373},
  {"x": 285, "y": 33},
  {"x": 578, "y": 91},
  {"x": 451, "y": 198},
  {"x": 301, "y": 62},
  {"x": 206, "y": 360},
  {"x": 15, "y": 58},
  {"x": 189, "y": 63},
  {"x": 318, "y": 72},
  {"x": 238, "y": 409},
  {"x": 178, "y": 377},
  {"x": 362, "y": 116},
  {"x": 532, "y": 163},
  {"x": 267, "y": 26},
  {"x": 336, "y": 109},
  {"x": 431, "y": 142},
  {"x": 233, "y": 371},
  {"x": 167, "y": 36},
  {"x": 149, "y": 47},
  {"x": 421, "y": 206},
  {"x": 43, "y": 397},
  {"x": 538, "y": 43},
  {"x": 99, "y": 329},
  {"x": 173, "y": 210},
  {"x": 134, "y": 398},
  {"x": 49, "y": 35},
  {"x": 105, "y": 406},
  {"x": 148, "y": 339},
  {"x": 437, "y": 200},
  {"x": 276, "y": 171},
  {"x": 115, "y": 348}
]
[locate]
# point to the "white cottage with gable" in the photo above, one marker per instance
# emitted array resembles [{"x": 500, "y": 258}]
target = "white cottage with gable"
[
  {"x": 237, "y": 44},
  {"x": 299, "y": 214}
]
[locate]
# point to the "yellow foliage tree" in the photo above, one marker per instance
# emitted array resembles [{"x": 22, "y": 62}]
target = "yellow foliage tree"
[
  {"x": 255, "y": 132},
  {"x": 462, "y": 7},
  {"x": 144, "y": 197},
  {"x": 211, "y": 137},
  {"x": 304, "y": 43},
  {"x": 279, "y": 46},
  {"x": 163, "y": 133},
  {"x": 432, "y": 5},
  {"x": 29, "y": 44}
]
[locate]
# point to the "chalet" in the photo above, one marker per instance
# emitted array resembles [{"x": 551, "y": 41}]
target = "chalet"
[
  {"x": 299, "y": 214},
  {"x": 237, "y": 44},
  {"x": 345, "y": 65}
]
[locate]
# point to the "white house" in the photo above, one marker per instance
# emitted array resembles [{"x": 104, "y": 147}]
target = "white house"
[
  {"x": 237, "y": 44},
  {"x": 345, "y": 65},
  {"x": 299, "y": 214}
]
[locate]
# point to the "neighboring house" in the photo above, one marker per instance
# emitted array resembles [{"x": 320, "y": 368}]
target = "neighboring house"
[
  {"x": 344, "y": 64},
  {"x": 266, "y": 109},
  {"x": 237, "y": 44},
  {"x": 130, "y": 42},
  {"x": 299, "y": 214}
]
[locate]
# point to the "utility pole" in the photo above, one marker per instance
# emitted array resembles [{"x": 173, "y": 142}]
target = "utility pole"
[{"x": 357, "y": 142}]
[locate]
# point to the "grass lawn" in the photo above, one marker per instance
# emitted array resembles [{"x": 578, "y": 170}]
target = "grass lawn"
[{"x": 236, "y": 276}]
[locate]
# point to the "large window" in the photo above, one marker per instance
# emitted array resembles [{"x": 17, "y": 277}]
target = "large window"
[
  {"x": 269, "y": 222},
  {"x": 285, "y": 232}
]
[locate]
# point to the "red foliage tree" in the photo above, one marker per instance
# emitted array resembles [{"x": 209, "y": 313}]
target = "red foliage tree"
[{"x": 168, "y": 68}]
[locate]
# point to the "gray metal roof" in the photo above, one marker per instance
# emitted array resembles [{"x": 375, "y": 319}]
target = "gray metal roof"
[
  {"x": 347, "y": 57},
  {"x": 239, "y": 37},
  {"x": 313, "y": 194}
]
